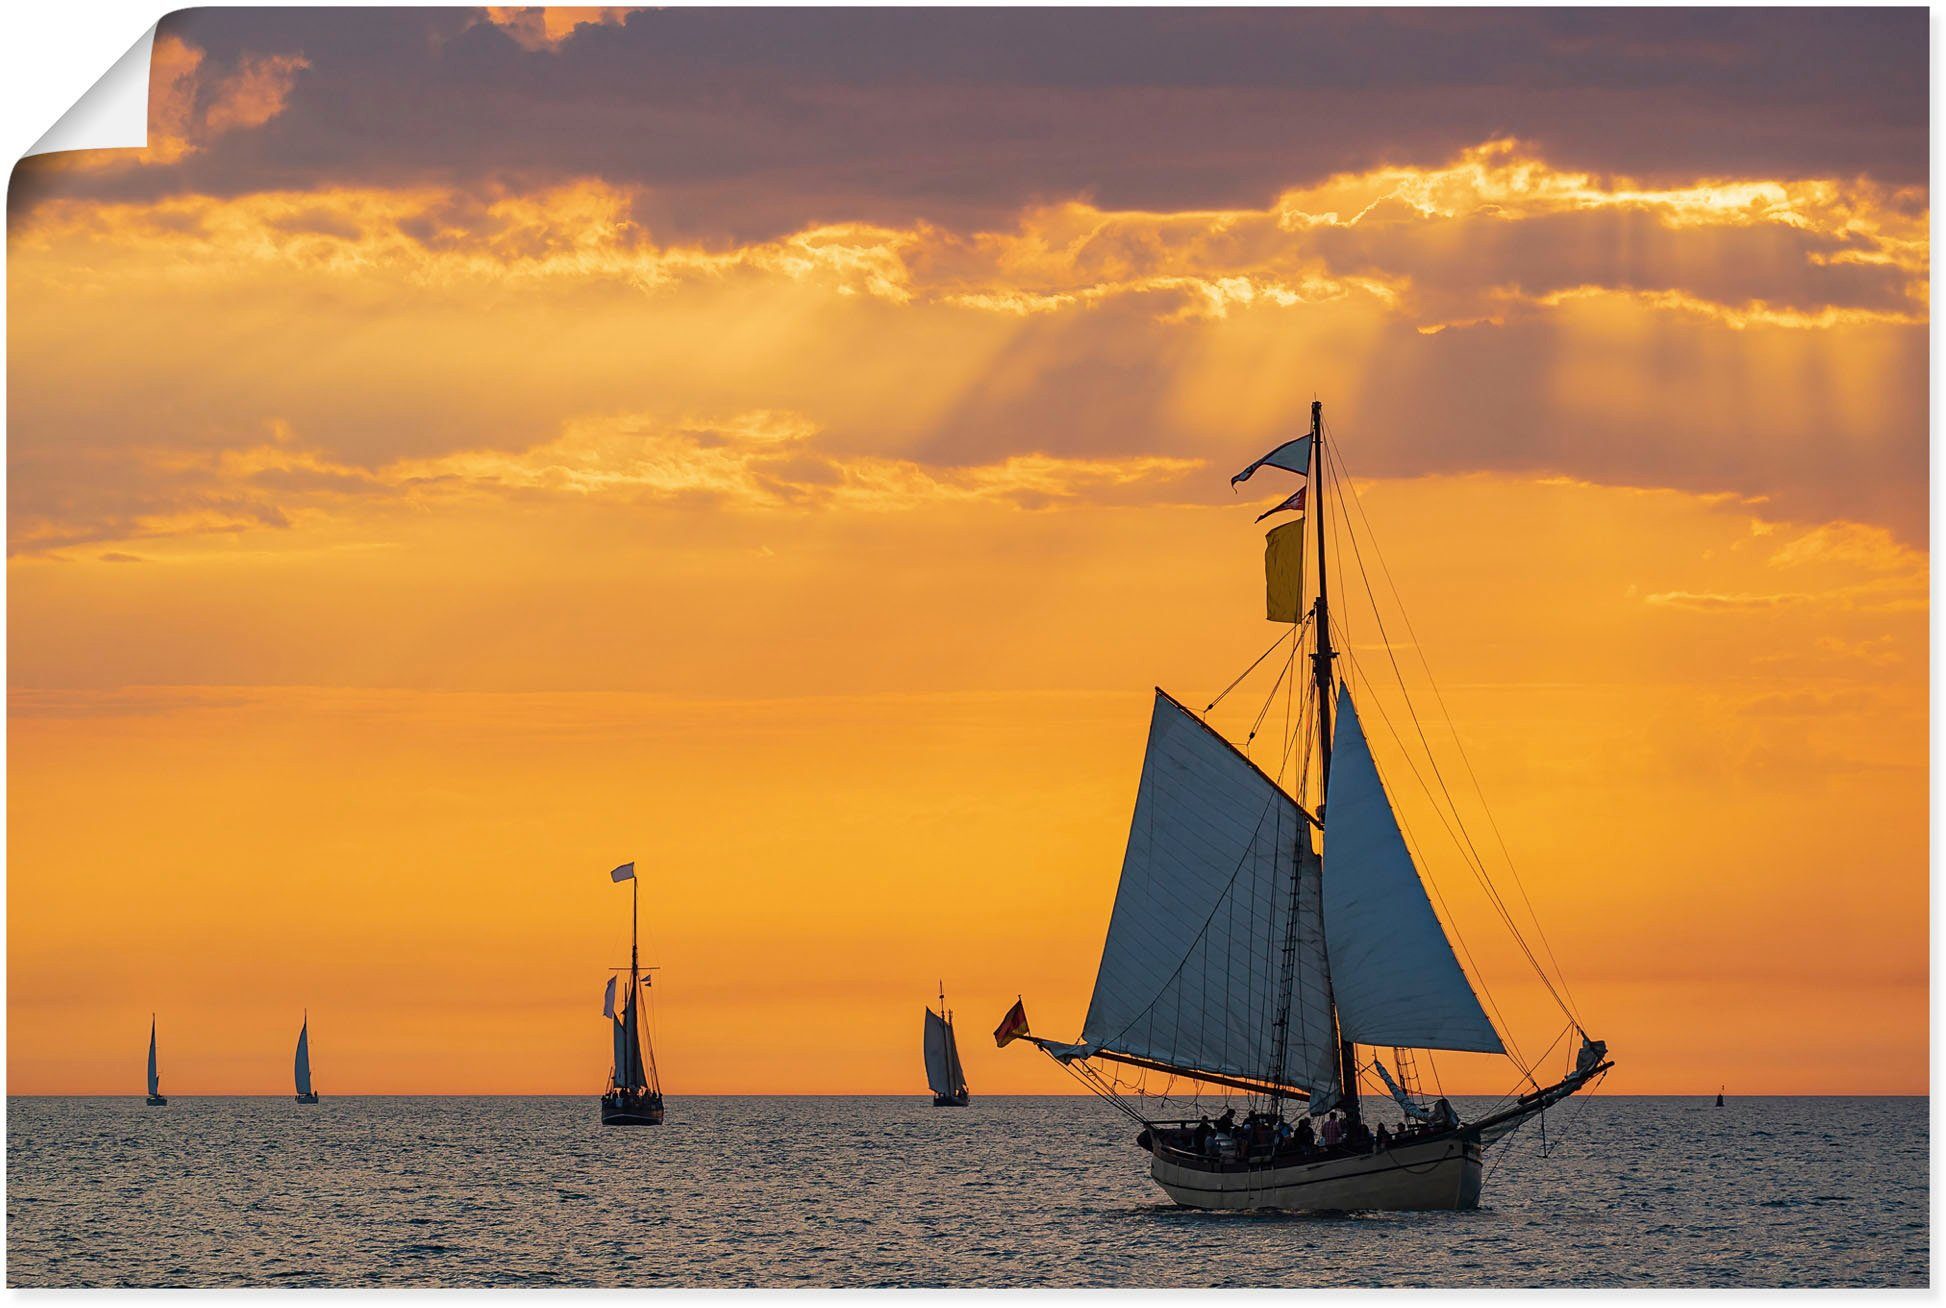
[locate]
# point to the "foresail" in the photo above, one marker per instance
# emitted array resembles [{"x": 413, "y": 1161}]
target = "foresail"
[
  {"x": 955, "y": 1073},
  {"x": 152, "y": 1080},
  {"x": 939, "y": 1072},
  {"x": 1190, "y": 972},
  {"x": 1393, "y": 971}
]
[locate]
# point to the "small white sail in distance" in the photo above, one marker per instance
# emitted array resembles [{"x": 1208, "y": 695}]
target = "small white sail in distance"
[
  {"x": 943, "y": 1071},
  {"x": 302, "y": 1068}
]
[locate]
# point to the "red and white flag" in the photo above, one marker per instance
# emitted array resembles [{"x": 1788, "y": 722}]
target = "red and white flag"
[{"x": 1295, "y": 503}]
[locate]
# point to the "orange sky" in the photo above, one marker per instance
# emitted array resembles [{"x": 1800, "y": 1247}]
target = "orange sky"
[{"x": 372, "y": 594}]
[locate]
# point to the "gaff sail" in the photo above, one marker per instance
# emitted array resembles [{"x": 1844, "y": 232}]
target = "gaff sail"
[
  {"x": 1393, "y": 972},
  {"x": 630, "y": 1072},
  {"x": 154, "y": 1085},
  {"x": 943, "y": 1072},
  {"x": 1191, "y": 969}
]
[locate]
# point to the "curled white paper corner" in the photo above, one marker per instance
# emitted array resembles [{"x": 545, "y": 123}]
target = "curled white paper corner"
[{"x": 114, "y": 112}]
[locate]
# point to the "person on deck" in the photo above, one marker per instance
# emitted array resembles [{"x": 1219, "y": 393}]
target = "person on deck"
[
  {"x": 1333, "y": 1132},
  {"x": 1384, "y": 1138},
  {"x": 1306, "y": 1135},
  {"x": 1203, "y": 1132},
  {"x": 1228, "y": 1121}
]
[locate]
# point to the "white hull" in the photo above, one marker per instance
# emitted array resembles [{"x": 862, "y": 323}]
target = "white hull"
[{"x": 1442, "y": 1173}]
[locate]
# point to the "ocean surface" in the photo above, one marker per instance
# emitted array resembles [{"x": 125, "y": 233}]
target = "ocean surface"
[{"x": 892, "y": 1192}]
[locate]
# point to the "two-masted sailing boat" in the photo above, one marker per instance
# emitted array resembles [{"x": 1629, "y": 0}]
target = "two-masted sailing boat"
[
  {"x": 634, "y": 1094},
  {"x": 302, "y": 1067},
  {"x": 1242, "y": 956},
  {"x": 943, "y": 1071},
  {"x": 156, "y": 1099}
]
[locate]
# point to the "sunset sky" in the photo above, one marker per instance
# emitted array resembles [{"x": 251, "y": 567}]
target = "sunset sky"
[{"x": 471, "y": 448}]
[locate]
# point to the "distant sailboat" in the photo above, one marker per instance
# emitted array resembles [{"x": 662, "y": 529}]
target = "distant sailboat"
[
  {"x": 155, "y": 1086},
  {"x": 943, "y": 1071},
  {"x": 305, "y": 1094},
  {"x": 1719, "y": 1095},
  {"x": 1241, "y": 957},
  {"x": 634, "y": 1094}
]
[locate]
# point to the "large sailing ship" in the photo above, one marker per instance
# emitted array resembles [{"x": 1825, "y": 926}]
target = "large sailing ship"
[
  {"x": 943, "y": 1071},
  {"x": 634, "y": 1094},
  {"x": 1267, "y": 943}
]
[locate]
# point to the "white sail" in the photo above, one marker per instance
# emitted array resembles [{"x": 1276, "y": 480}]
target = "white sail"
[
  {"x": 153, "y": 1083},
  {"x": 1191, "y": 970},
  {"x": 1393, "y": 972},
  {"x": 303, "y": 1065},
  {"x": 939, "y": 1058}
]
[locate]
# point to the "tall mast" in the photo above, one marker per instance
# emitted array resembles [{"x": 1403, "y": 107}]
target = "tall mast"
[
  {"x": 634, "y": 973},
  {"x": 1321, "y": 675}
]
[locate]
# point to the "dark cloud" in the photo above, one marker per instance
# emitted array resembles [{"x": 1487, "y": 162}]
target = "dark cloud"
[{"x": 748, "y": 122}]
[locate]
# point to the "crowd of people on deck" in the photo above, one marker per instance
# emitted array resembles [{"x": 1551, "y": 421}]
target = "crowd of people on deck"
[{"x": 1262, "y": 1137}]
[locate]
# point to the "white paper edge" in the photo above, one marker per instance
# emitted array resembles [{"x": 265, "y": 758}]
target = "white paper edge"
[{"x": 114, "y": 113}]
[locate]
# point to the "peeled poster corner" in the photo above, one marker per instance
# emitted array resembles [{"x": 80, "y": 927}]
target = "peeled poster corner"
[{"x": 113, "y": 114}]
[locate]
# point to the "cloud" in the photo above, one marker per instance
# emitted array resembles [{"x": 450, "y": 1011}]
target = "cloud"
[
  {"x": 1493, "y": 312},
  {"x": 742, "y": 125},
  {"x": 546, "y": 27},
  {"x": 1491, "y": 234},
  {"x": 755, "y": 462},
  {"x": 1907, "y": 593}
]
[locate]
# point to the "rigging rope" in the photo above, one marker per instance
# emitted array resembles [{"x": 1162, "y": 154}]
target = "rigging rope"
[
  {"x": 1462, "y": 839},
  {"x": 1281, "y": 636},
  {"x": 1426, "y": 879},
  {"x": 1344, "y": 478}
]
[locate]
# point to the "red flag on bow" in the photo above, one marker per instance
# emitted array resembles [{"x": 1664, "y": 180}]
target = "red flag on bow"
[{"x": 1013, "y": 1026}]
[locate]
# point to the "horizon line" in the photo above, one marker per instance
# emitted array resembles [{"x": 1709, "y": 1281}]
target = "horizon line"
[{"x": 895, "y": 1094}]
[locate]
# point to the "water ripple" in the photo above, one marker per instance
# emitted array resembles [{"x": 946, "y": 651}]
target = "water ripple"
[{"x": 891, "y": 1192}]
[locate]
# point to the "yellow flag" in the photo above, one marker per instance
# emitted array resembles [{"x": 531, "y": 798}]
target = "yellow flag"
[{"x": 1284, "y": 572}]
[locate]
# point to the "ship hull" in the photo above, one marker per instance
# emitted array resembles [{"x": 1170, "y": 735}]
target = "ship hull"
[
  {"x": 949, "y": 1101},
  {"x": 307, "y": 1099},
  {"x": 1444, "y": 1173},
  {"x": 646, "y": 1112},
  {"x": 158, "y": 1101}
]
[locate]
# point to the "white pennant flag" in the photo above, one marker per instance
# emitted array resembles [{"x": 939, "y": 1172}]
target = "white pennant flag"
[
  {"x": 626, "y": 872},
  {"x": 608, "y": 999},
  {"x": 1291, "y": 456}
]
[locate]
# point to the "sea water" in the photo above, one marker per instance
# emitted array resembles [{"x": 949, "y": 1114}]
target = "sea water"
[{"x": 892, "y": 1192}]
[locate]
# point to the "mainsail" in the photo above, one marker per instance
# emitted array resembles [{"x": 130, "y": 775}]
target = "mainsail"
[
  {"x": 629, "y": 1072},
  {"x": 1192, "y": 966},
  {"x": 1393, "y": 972},
  {"x": 943, "y": 1071},
  {"x": 302, "y": 1069},
  {"x": 153, "y": 1083}
]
